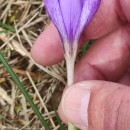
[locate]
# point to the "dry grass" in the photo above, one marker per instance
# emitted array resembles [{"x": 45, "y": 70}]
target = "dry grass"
[{"x": 29, "y": 19}]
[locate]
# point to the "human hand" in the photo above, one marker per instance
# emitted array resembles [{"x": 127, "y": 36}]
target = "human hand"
[{"x": 107, "y": 60}]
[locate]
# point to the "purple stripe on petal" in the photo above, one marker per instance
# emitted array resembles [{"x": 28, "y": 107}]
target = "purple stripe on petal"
[
  {"x": 54, "y": 12},
  {"x": 71, "y": 17},
  {"x": 71, "y": 13},
  {"x": 89, "y": 9}
]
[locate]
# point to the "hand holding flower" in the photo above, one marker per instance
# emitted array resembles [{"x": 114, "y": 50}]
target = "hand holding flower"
[{"x": 107, "y": 59}]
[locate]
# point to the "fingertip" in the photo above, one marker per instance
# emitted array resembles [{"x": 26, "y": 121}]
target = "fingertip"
[
  {"x": 61, "y": 114},
  {"x": 47, "y": 48},
  {"x": 75, "y": 103},
  {"x": 94, "y": 104}
]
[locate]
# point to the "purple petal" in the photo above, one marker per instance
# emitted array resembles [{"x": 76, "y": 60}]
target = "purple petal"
[
  {"x": 71, "y": 17},
  {"x": 54, "y": 11},
  {"x": 89, "y": 9},
  {"x": 71, "y": 13}
]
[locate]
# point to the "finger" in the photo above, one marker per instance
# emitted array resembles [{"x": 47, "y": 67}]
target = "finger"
[
  {"x": 62, "y": 116},
  {"x": 125, "y": 79},
  {"x": 107, "y": 59},
  {"x": 47, "y": 48},
  {"x": 125, "y": 5},
  {"x": 106, "y": 21},
  {"x": 97, "y": 105}
]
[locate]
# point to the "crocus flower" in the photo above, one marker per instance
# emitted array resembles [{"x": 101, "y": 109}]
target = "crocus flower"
[{"x": 71, "y": 17}]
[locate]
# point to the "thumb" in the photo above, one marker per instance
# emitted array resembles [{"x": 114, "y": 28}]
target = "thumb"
[{"x": 97, "y": 105}]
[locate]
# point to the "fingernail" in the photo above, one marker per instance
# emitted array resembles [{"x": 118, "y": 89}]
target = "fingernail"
[{"x": 75, "y": 105}]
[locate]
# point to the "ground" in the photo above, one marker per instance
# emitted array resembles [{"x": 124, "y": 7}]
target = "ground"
[{"x": 28, "y": 18}]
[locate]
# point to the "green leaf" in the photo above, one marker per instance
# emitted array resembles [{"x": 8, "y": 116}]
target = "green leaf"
[
  {"x": 86, "y": 46},
  {"x": 57, "y": 116},
  {"x": 26, "y": 95},
  {"x": 7, "y": 27}
]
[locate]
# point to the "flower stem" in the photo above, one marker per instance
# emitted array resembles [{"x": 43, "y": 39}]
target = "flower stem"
[
  {"x": 70, "y": 70},
  {"x": 70, "y": 61},
  {"x": 71, "y": 126},
  {"x": 70, "y": 78}
]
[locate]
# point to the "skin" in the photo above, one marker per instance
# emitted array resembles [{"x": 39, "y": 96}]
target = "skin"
[{"x": 104, "y": 71}]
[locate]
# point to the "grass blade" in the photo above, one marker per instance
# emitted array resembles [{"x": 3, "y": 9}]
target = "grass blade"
[
  {"x": 59, "y": 120},
  {"x": 20, "y": 86},
  {"x": 3, "y": 31},
  {"x": 7, "y": 27},
  {"x": 57, "y": 116},
  {"x": 86, "y": 46}
]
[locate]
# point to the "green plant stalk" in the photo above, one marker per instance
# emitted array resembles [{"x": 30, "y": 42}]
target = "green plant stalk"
[
  {"x": 86, "y": 46},
  {"x": 22, "y": 89},
  {"x": 71, "y": 127},
  {"x": 56, "y": 114},
  {"x": 7, "y": 27}
]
